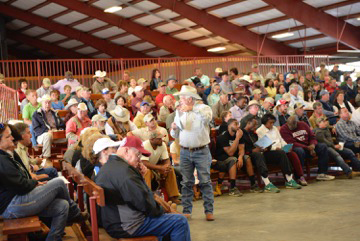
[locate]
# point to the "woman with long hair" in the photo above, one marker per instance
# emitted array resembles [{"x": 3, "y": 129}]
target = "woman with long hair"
[
  {"x": 155, "y": 79},
  {"x": 280, "y": 91},
  {"x": 270, "y": 88},
  {"x": 309, "y": 99},
  {"x": 214, "y": 96}
]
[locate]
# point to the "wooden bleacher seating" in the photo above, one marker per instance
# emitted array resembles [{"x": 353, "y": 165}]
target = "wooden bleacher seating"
[
  {"x": 18, "y": 229},
  {"x": 97, "y": 197}
]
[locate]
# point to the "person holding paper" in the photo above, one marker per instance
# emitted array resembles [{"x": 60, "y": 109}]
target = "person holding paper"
[
  {"x": 261, "y": 156},
  {"x": 306, "y": 146},
  {"x": 230, "y": 155},
  {"x": 337, "y": 152},
  {"x": 268, "y": 129}
]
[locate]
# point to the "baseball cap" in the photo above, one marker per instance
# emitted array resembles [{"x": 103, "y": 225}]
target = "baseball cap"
[
  {"x": 218, "y": 70},
  {"x": 200, "y": 85},
  {"x": 324, "y": 92},
  {"x": 46, "y": 98},
  {"x": 298, "y": 105},
  {"x": 144, "y": 103},
  {"x": 135, "y": 142},
  {"x": 256, "y": 91},
  {"x": 82, "y": 106},
  {"x": 141, "y": 80},
  {"x": 293, "y": 71},
  {"x": 254, "y": 66},
  {"x": 270, "y": 100},
  {"x": 161, "y": 84},
  {"x": 148, "y": 117},
  {"x": 46, "y": 82},
  {"x": 98, "y": 117},
  {"x": 79, "y": 88},
  {"x": 281, "y": 102},
  {"x": 138, "y": 88},
  {"x": 86, "y": 89},
  {"x": 103, "y": 143},
  {"x": 105, "y": 91}
]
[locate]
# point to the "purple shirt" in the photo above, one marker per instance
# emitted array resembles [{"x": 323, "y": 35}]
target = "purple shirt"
[{"x": 61, "y": 83}]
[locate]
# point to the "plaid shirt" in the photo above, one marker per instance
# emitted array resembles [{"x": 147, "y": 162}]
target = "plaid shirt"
[{"x": 348, "y": 131}]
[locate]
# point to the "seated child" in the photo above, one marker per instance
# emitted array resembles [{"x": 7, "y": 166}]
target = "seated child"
[{"x": 56, "y": 104}]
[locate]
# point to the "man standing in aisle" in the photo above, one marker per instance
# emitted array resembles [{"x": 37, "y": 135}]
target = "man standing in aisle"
[{"x": 191, "y": 126}]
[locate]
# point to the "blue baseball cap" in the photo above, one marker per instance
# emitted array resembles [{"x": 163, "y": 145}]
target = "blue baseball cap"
[
  {"x": 144, "y": 103},
  {"x": 105, "y": 91}
]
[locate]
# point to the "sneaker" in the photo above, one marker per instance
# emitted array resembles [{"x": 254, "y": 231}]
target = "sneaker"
[
  {"x": 234, "y": 192},
  {"x": 80, "y": 218},
  {"x": 324, "y": 177},
  {"x": 271, "y": 188},
  {"x": 255, "y": 188},
  {"x": 292, "y": 184},
  {"x": 303, "y": 181}
]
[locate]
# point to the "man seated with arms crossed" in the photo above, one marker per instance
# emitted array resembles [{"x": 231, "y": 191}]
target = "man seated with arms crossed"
[
  {"x": 31, "y": 164},
  {"x": 230, "y": 154},
  {"x": 21, "y": 196},
  {"x": 45, "y": 121},
  {"x": 305, "y": 145},
  {"x": 159, "y": 165},
  {"x": 132, "y": 210},
  {"x": 151, "y": 125},
  {"x": 348, "y": 131},
  {"x": 77, "y": 123}
]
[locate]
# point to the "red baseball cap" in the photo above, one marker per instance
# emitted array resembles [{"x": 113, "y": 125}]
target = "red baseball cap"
[{"x": 135, "y": 142}]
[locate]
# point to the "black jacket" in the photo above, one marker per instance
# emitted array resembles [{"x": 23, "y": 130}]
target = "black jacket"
[
  {"x": 41, "y": 125},
  {"x": 15, "y": 179},
  {"x": 128, "y": 198}
]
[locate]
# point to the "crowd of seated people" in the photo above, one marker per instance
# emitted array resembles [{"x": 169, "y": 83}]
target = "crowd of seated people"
[{"x": 108, "y": 136}]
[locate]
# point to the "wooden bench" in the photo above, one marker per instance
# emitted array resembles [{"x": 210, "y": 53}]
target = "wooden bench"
[
  {"x": 97, "y": 197},
  {"x": 18, "y": 229}
]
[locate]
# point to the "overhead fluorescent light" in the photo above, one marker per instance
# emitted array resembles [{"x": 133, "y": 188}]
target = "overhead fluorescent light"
[
  {"x": 217, "y": 49},
  {"x": 358, "y": 18},
  {"x": 113, "y": 9},
  {"x": 283, "y": 35}
]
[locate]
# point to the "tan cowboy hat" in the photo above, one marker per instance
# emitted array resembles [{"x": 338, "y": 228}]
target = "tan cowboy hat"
[
  {"x": 120, "y": 114},
  {"x": 246, "y": 78},
  {"x": 71, "y": 103},
  {"x": 253, "y": 102},
  {"x": 99, "y": 74},
  {"x": 188, "y": 91}
]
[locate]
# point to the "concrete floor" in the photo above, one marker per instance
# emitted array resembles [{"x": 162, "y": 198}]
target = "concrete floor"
[{"x": 321, "y": 211}]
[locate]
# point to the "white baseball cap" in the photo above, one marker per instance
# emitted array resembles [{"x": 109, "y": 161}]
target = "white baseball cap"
[{"x": 104, "y": 143}]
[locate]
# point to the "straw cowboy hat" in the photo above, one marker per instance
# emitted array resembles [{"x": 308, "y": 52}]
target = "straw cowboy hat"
[
  {"x": 71, "y": 103},
  {"x": 120, "y": 114},
  {"x": 99, "y": 74},
  {"x": 188, "y": 91},
  {"x": 246, "y": 78}
]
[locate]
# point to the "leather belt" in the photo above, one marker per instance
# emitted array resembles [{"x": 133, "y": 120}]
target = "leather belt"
[{"x": 193, "y": 149}]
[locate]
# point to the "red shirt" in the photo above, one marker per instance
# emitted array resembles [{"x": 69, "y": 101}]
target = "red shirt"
[
  {"x": 331, "y": 89},
  {"x": 21, "y": 95},
  {"x": 159, "y": 98}
]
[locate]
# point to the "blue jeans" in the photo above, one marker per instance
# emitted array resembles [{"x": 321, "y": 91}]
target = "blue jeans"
[
  {"x": 322, "y": 153},
  {"x": 50, "y": 171},
  {"x": 51, "y": 200},
  {"x": 339, "y": 155},
  {"x": 174, "y": 225},
  {"x": 351, "y": 145},
  {"x": 33, "y": 138},
  {"x": 201, "y": 160}
]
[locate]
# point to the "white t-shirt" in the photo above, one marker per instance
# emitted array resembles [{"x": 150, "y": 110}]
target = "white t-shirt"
[{"x": 160, "y": 153}]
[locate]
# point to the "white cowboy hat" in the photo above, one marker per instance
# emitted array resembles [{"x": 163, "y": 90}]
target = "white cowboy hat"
[
  {"x": 99, "y": 74},
  {"x": 188, "y": 91},
  {"x": 71, "y": 103},
  {"x": 246, "y": 78},
  {"x": 120, "y": 114}
]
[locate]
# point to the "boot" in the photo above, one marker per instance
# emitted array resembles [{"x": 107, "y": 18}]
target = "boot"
[{"x": 217, "y": 191}]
